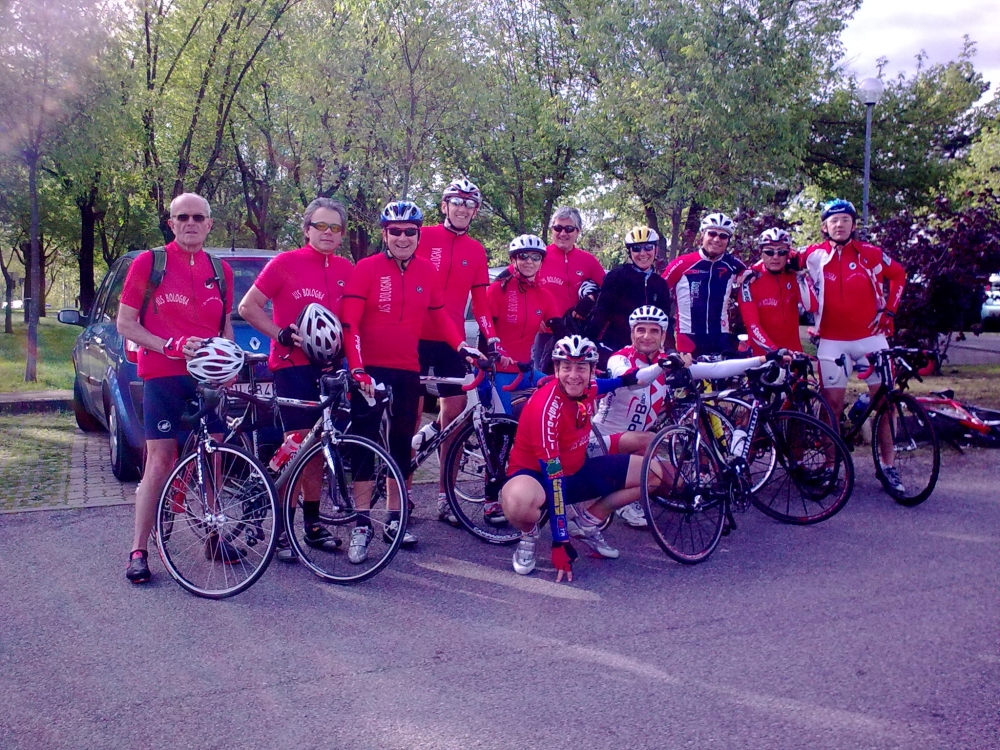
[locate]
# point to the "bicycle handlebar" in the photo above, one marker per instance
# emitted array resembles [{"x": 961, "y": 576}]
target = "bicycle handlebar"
[{"x": 523, "y": 369}]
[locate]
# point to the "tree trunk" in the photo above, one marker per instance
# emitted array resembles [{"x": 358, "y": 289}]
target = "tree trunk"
[
  {"x": 676, "y": 212},
  {"x": 653, "y": 222},
  {"x": 31, "y": 361},
  {"x": 692, "y": 223},
  {"x": 85, "y": 260},
  {"x": 8, "y": 279}
]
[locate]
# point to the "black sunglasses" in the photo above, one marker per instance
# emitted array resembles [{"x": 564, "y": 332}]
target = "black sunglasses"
[
  {"x": 645, "y": 247},
  {"x": 533, "y": 257},
  {"x": 563, "y": 228},
  {"x": 713, "y": 234},
  {"x": 772, "y": 253},
  {"x": 196, "y": 218},
  {"x": 396, "y": 231}
]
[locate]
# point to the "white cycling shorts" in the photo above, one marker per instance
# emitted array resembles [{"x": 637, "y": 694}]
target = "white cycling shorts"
[{"x": 834, "y": 375}]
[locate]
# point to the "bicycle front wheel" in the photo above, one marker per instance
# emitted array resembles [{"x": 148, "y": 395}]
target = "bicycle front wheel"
[
  {"x": 474, "y": 476},
  {"x": 813, "y": 477},
  {"x": 215, "y": 522},
  {"x": 683, "y": 495},
  {"x": 903, "y": 434},
  {"x": 358, "y": 487}
]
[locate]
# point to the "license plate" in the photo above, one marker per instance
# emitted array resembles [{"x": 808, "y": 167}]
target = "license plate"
[{"x": 264, "y": 390}]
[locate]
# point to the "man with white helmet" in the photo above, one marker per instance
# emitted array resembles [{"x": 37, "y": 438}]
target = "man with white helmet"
[
  {"x": 169, "y": 323},
  {"x": 772, "y": 296},
  {"x": 702, "y": 284},
  {"x": 462, "y": 268}
]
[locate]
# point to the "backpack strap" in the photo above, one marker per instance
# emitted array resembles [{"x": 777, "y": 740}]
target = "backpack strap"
[
  {"x": 155, "y": 277},
  {"x": 220, "y": 284}
]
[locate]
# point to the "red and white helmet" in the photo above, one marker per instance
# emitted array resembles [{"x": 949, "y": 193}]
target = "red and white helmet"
[
  {"x": 216, "y": 361},
  {"x": 774, "y": 236},
  {"x": 720, "y": 222},
  {"x": 574, "y": 348},
  {"x": 322, "y": 335},
  {"x": 648, "y": 314},
  {"x": 463, "y": 188}
]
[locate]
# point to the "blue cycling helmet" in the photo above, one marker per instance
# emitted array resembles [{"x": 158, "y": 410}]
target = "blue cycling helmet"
[
  {"x": 405, "y": 211},
  {"x": 838, "y": 206}
]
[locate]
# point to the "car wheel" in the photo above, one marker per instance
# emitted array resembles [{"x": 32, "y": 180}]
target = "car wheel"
[
  {"x": 125, "y": 460},
  {"x": 84, "y": 419}
]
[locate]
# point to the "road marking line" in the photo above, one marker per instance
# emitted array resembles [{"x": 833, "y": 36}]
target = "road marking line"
[
  {"x": 424, "y": 581},
  {"x": 465, "y": 569},
  {"x": 964, "y": 537}
]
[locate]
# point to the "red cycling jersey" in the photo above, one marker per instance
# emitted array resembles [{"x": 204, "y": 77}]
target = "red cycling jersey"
[
  {"x": 384, "y": 309},
  {"x": 632, "y": 409},
  {"x": 295, "y": 279},
  {"x": 562, "y": 273},
  {"x": 461, "y": 263},
  {"x": 769, "y": 305},
  {"x": 518, "y": 308},
  {"x": 849, "y": 285},
  {"x": 186, "y": 303},
  {"x": 553, "y": 425}
]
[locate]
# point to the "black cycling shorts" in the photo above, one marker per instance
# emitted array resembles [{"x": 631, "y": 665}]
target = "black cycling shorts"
[
  {"x": 366, "y": 421},
  {"x": 447, "y": 363},
  {"x": 164, "y": 401},
  {"x": 301, "y": 382},
  {"x": 598, "y": 477}
]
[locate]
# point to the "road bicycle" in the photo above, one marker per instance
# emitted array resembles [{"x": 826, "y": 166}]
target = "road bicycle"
[
  {"x": 901, "y": 425},
  {"x": 357, "y": 483},
  {"x": 707, "y": 476}
]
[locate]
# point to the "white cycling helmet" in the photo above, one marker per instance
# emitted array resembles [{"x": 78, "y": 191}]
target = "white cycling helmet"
[
  {"x": 574, "y": 348},
  {"x": 463, "y": 188},
  {"x": 648, "y": 314},
  {"x": 720, "y": 222},
  {"x": 588, "y": 289},
  {"x": 216, "y": 361},
  {"x": 526, "y": 243},
  {"x": 322, "y": 335},
  {"x": 774, "y": 236}
]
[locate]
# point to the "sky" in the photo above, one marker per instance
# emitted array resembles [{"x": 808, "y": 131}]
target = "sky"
[{"x": 900, "y": 29}]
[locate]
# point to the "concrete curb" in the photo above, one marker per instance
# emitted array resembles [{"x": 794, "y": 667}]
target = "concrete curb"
[{"x": 29, "y": 402}]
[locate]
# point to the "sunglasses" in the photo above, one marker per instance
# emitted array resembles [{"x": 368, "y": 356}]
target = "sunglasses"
[
  {"x": 564, "y": 229},
  {"x": 713, "y": 234},
  {"x": 467, "y": 202},
  {"x": 645, "y": 247},
  {"x": 772, "y": 253},
  {"x": 322, "y": 226},
  {"x": 196, "y": 218},
  {"x": 396, "y": 231},
  {"x": 533, "y": 257}
]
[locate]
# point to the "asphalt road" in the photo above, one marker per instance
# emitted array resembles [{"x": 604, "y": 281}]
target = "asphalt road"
[{"x": 877, "y": 629}]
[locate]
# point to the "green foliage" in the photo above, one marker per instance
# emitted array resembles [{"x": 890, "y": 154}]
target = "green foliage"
[{"x": 55, "y": 367}]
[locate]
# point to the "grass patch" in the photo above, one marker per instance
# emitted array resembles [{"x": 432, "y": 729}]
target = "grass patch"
[
  {"x": 979, "y": 384},
  {"x": 34, "y": 459},
  {"x": 55, "y": 367}
]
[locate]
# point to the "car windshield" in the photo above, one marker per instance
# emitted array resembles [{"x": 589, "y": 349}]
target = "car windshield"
[{"x": 245, "y": 272}]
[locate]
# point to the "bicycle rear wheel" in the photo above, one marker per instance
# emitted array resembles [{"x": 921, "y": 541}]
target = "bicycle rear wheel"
[
  {"x": 473, "y": 477},
  {"x": 215, "y": 522},
  {"x": 761, "y": 458},
  {"x": 813, "y": 477},
  {"x": 917, "y": 451},
  {"x": 808, "y": 401},
  {"x": 353, "y": 485},
  {"x": 687, "y": 512}
]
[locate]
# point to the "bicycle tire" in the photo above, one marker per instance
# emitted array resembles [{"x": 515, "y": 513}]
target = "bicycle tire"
[
  {"x": 238, "y": 513},
  {"x": 916, "y": 446},
  {"x": 687, "y": 516},
  {"x": 348, "y": 453},
  {"x": 466, "y": 480},
  {"x": 814, "y": 474},
  {"x": 811, "y": 402},
  {"x": 761, "y": 459}
]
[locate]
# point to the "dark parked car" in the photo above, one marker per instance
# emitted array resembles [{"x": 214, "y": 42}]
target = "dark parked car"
[{"x": 107, "y": 392}]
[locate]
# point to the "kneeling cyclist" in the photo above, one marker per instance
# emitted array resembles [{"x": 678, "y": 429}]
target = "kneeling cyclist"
[{"x": 549, "y": 463}]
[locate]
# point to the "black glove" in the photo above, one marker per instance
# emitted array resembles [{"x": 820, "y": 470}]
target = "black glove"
[
  {"x": 777, "y": 355},
  {"x": 630, "y": 378},
  {"x": 284, "y": 336},
  {"x": 670, "y": 362}
]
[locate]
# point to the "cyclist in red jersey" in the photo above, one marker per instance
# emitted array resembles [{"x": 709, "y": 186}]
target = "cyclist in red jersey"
[
  {"x": 772, "y": 296},
  {"x": 462, "y": 267},
  {"x": 291, "y": 281},
  {"x": 186, "y": 308},
  {"x": 854, "y": 314},
  {"x": 388, "y": 298},
  {"x": 549, "y": 462}
]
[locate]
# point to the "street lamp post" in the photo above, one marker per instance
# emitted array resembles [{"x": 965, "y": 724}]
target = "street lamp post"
[{"x": 869, "y": 91}]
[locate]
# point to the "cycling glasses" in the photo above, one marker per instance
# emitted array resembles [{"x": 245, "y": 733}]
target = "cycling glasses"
[
  {"x": 643, "y": 247},
  {"x": 772, "y": 253},
  {"x": 322, "y": 226},
  {"x": 396, "y": 231},
  {"x": 467, "y": 202},
  {"x": 564, "y": 228},
  {"x": 533, "y": 257},
  {"x": 713, "y": 234},
  {"x": 196, "y": 218}
]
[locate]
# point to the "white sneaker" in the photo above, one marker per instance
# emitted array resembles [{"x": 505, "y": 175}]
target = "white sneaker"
[
  {"x": 524, "y": 555},
  {"x": 891, "y": 474},
  {"x": 445, "y": 512},
  {"x": 632, "y": 515},
  {"x": 390, "y": 531},
  {"x": 357, "y": 553},
  {"x": 591, "y": 536},
  {"x": 493, "y": 513}
]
